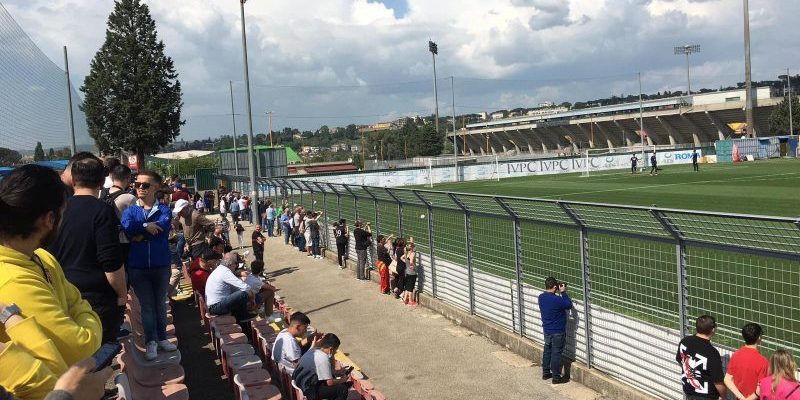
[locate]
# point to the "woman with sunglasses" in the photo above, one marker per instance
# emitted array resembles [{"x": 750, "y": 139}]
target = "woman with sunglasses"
[{"x": 147, "y": 224}]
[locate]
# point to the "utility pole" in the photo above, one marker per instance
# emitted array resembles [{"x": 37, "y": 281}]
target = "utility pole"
[
  {"x": 250, "y": 159},
  {"x": 748, "y": 84},
  {"x": 270, "y": 129},
  {"x": 455, "y": 138},
  {"x": 434, "y": 49},
  {"x": 233, "y": 120},
  {"x": 73, "y": 147}
]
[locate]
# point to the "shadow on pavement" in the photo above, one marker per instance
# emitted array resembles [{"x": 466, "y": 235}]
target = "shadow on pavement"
[
  {"x": 204, "y": 376},
  {"x": 327, "y": 306},
  {"x": 279, "y": 272}
]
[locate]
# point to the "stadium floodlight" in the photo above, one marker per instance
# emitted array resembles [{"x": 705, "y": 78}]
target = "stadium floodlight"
[
  {"x": 434, "y": 49},
  {"x": 686, "y": 50},
  {"x": 251, "y": 166}
]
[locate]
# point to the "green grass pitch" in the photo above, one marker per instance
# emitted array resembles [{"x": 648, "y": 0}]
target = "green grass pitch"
[{"x": 769, "y": 187}]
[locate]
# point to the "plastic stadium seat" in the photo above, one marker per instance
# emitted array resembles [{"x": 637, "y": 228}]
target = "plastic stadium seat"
[
  {"x": 239, "y": 363},
  {"x": 123, "y": 387},
  {"x": 297, "y": 393},
  {"x": 249, "y": 377},
  {"x": 152, "y": 376},
  {"x": 262, "y": 392},
  {"x": 363, "y": 386},
  {"x": 376, "y": 395},
  {"x": 234, "y": 350},
  {"x": 352, "y": 394},
  {"x": 286, "y": 382}
]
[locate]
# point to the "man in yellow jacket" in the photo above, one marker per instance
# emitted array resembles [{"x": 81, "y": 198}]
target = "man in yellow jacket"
[{"x": 57, "y": 327}]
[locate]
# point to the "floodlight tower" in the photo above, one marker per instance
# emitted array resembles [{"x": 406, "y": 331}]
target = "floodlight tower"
[
  {"x": 434, "y": 49},
  {"x": 686, "y": 50},
  {"x": 251, "y": 166}
]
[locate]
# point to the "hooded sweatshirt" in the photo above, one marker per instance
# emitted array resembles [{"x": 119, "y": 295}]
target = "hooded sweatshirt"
[{"x": 66, "y": 320}]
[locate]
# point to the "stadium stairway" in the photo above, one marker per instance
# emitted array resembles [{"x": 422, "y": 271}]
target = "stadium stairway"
[{"x": 159, "y": 379}]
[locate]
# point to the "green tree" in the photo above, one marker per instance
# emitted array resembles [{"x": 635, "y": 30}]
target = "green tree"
[
  {"x": 38, "y": 152},
  {"x": 51, "y": 155},
  {"x": 9, "y": 157},
  {"x": 132, "y": 93},
  {"x": 779, "y": 119}
]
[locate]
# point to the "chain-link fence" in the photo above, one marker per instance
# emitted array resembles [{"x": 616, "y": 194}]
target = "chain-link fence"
[{"x": 639, "y": 276}]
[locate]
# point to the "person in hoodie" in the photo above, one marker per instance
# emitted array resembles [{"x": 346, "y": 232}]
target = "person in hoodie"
[
  {"x": 147, "y": 224},
  {"x": 32, "y": 283}
]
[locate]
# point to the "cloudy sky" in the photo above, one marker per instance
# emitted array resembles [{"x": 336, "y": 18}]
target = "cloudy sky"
[{"x": 340, "y": 61}]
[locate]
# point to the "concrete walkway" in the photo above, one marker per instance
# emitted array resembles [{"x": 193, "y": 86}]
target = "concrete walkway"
[{"x": 409, "y": 353}]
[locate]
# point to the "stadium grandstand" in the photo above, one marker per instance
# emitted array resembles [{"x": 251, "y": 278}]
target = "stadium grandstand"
[{"x": 697, "y": 119}]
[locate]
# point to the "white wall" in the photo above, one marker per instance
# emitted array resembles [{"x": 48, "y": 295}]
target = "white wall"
[{"x": 507, "y": 169}]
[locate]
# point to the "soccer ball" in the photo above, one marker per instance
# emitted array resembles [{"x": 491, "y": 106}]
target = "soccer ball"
[{"x": 422, "y": 216}]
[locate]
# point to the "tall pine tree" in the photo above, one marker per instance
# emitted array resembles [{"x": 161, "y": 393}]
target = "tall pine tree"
[
  {"x": 132, "y": 93},
  {"x": 38, "y": 152}
]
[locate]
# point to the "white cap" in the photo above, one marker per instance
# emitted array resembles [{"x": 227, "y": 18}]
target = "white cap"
[{"x": 179, "y": 206}]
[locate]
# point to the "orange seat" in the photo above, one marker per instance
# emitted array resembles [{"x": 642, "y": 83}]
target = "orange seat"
[{"x": 376, "y": 395}]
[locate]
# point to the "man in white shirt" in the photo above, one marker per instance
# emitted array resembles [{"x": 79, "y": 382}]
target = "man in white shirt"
[
  {"x": 226, "y": 293},
  {"x": 286, "y": 350}
]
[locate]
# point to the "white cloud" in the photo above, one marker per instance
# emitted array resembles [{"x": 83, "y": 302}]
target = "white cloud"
[{"x": 550, "y": 45}]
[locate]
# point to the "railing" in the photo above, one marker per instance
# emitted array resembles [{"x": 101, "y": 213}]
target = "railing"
[{"x": 639, "y": 276}]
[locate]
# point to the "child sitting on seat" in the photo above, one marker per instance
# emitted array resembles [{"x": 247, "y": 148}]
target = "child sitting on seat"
[{"x": 264, "y": 292}]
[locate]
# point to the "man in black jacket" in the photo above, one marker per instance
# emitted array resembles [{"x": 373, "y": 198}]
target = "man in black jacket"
[{"x": 88, "y": 247}]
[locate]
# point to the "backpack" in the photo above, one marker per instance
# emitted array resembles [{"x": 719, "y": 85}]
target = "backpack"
[{"x": 110, "y": 198}]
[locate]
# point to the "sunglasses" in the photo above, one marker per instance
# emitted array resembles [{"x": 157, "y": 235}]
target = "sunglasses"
[{"x": 142, "y": 185}]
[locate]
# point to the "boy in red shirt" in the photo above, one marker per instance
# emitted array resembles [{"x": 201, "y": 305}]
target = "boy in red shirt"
[{"x": 747, "y": 365}]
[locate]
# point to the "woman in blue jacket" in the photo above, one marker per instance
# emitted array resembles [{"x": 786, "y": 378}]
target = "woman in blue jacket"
[{"x": 147, "y": 224}]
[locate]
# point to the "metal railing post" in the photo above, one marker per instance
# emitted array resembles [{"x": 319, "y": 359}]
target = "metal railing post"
[
  {"x": 399, "y": 212},
  {"x": 468, "y": 230},
  {"x": 377, "y": 215},
  {"x": 430, "y": 241},
  {"x": 680, "y": 262},
  {"x": 585, "y": 271},
  {"x": 517, "y": 262}
]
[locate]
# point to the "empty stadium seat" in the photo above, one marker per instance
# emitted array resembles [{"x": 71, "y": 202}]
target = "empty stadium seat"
[{"x": 262, "y": 392}]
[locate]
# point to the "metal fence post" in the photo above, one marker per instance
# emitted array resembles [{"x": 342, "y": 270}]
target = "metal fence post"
[
  {"x": 517, "y": 262},
  {"x": 399, "y": 212},
  {"x": 587, "y": 300},
  {"x": 680, "y": 253},
  {"x": 377, "y": 215},
  {"x": 468, "y": 230},
  {"x": 430, "y": 241}
]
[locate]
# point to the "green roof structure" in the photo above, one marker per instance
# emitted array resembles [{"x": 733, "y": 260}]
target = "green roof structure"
[{"x": 291, "y": 155}]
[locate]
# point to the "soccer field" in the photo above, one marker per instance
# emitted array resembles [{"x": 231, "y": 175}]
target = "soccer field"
[{"x": 769, "y": 187}]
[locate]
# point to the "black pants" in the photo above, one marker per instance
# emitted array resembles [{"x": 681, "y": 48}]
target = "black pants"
[
  {"x": 235, "y": 216},
  {"x": 111, "y": 315},
  {"x": 258, "y": 253},
  {"x": 338, "y": 392},
  {"x": 341, "y": 252},
  {"x": 696, "y": 166},
  {"x": 653, "y": 169},
  {"x": 633, "y": 168}
]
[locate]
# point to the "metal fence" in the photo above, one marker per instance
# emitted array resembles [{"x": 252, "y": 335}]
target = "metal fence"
[{"x": 639, "y": 276}]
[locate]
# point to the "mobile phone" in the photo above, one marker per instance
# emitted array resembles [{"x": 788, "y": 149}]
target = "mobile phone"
[
  {"x": 348, "y": 369},
  {"x": 105, "y": 355}
]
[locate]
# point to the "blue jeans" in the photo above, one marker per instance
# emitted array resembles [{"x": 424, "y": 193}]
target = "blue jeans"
[
  {"x": 286, "y": 234},
  {"x": 151, "y": 287},
  {"x": 553, "y": 348},
  {"x": 315, "y": 250},
  {"x": 235, "y": 304},
  {"x": 270, "y": 226}
]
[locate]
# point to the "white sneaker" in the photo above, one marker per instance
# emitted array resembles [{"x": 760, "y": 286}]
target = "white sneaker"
[
  {"x": 152, "y": 351},
  {"x": 166, "y": 345}
]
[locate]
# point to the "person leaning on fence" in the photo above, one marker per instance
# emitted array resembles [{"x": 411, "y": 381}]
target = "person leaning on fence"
[
  {"x": 342, "y": 236},
  {"x": 553, "y": 308},
  {"x": 782, "y": 383},
  {"x": 384, "y": 259},
  {"x": 747, "y": 365},
  {"x": 701, "y": 364},
  {"x": 410, "y": 281}
]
